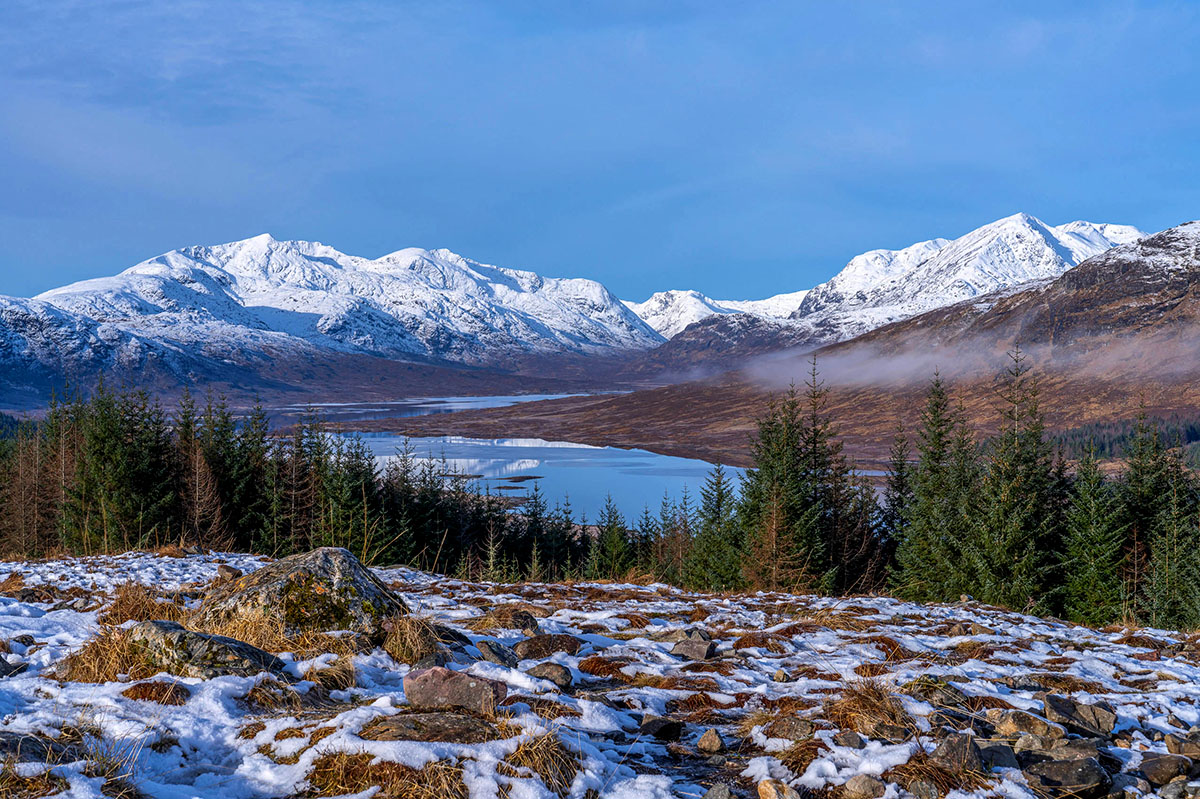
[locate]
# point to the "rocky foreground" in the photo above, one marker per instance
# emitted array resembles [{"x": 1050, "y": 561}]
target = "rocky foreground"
[{"x": 201, "y": 675}]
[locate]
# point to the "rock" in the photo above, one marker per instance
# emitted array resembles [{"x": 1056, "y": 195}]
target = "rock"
[
  {"x": 323, "y": 590},
  {"x": 958, "y": 753},
  {"x": 935, "y": 691},
  {"x": 710, "y": 742},
  {"x": 1159, "y": 769},
  {"x": 864, "y": 786},
  {"x": 227, "y": 572},
  {"x": 789, "y": 728},
  {"x": 438, "y": 657},
  {"x": 1095, "y": 720},
  {"x": 440, "y": 688},
  {"x": 849, "y": 739},
  {"x": 780, "y": 676},
  {"x": 545, "y": 645},
  {"x": 1084, "y": 779},
  {"x": 176, "y": 650},
  {"x": 718, "y": 791},
  {"x": 25, "y": 640},
  {"x": 997, "y": 754},
  {"x": 1075, "y": 749},
  {"x": 1188, "y": 745},
  {"x": 11, "y": 669},
  {"x": 922, "y": 788},
  {"x": 458, "y": 728},
  {"x": 1173, "y": 791},
  {"x": 496, "y": 652},
  {"x": 892, "y": 733},
  {"x": 1129, "y": 783},
  {"x": 558, "y": 674},
  {"x": 694, "y": 649},
  {"x": 775, "y": 789},
  {"x": 955, "y": 721},
  {"x": 660, "y": 728},
  {"x": 1015, "y": 723},
  {"x": 515, "y": 618}
]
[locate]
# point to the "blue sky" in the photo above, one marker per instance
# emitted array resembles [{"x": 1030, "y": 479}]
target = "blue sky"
[{"x": 742, "y": 149}]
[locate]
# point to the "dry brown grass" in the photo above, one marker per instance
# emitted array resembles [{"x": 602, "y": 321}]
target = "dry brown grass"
[
  {"x": 15, "y": 581},
  {"x": 341, "y": 773},
  {"x": 108, "y": 657},
  {"x": 542, "y": 707},
  {"x": 600, "y": 666},
  {"x": 160, "y": 691},
  {"x": 266, "y": 631},
  {"x": 840, "y": 620},
  {"x": 801, "y": 754},
  {"x": 672, "y": 682},
  {"x": 864, "y": 704},
  {"x": 1066, "y": 683},
  {"x": 789, "y": 704},
  {"x": 918, "y": 768},
  {"x": 169, "y": 551},
  {"x": 271, "y": 696},
  {"x": 694, "y": 702},
  {"x": 755, "y": 718},
  {"x": 759, "y": 640},
  {"x": 338, "y": 676},
  {"x": 250, "y": 730},
  {"x": 410, "y": 638},
  {"x": 547, "y": 757},
  {"x": 136, "y": 602},
  {"x": 15, "y": 786},
  {"x": 636, "y": 620},
  {"x": 893, "y": 651},
  {"x": 868, "y": 670},
  {"x": 722, "y": 667}
]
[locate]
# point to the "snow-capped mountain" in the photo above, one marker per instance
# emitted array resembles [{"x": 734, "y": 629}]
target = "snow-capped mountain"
[
  {"x": 882, "y": 286},
  {"x": 261, "y": 298}
]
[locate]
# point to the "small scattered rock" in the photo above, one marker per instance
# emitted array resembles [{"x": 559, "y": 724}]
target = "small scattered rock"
[
  {"x": 440, "y": 688},
  {"x": 660, "y": 728},
  {"x": 710, "y": 742},
  {"x": 718, "y": 791},
  {"x": 458, "y": 728},
  {"x": 498, "y": 653},
  {"x": 776, "y": 789},
  {"x": 864, "y": 786},
  {"x": 556, "y": 673},
  {"x": 1085, "y": 779},
  {"x": 790, "y": 728},
  {"x": 438, "y": 657},
  {"x": 694, "y": 649},
  {"x": 958, "y": 753},
  {"x": 1095, "y": 720},
  {"x": 781, "y": 676},
  {"x": 1130, "y": 783},
  {"x": 850, "y": 739},
  {"x": 1160, "y": 769},
  {"x": 546, "y": 644},
  {"x": 11, "y": 669},
  {"x": 1015, "y": 723},
  {"x": 227, "y": 572},
  {"x": 1188, "y": 745},
  {"x": 997, "y": 754},
  {"x": 176, "y": 650}
]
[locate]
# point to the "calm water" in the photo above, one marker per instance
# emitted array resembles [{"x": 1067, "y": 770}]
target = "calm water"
[
  {"x": 510, "y": 466},
  {"x": 396, "y": 409}
]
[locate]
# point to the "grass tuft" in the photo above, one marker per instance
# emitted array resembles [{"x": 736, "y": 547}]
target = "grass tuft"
[
  {"x": 410, "y": 638},
  {"x": 864, "y": 705},
  {"x": 546, "y": 756},
  {"x": 108, "y": 657},
  {"x": 340, "y": 773},
  {"x": 136, "y": 602},
  {"x": 15, "y": 786},
  {"x": 164, "y": 693}
]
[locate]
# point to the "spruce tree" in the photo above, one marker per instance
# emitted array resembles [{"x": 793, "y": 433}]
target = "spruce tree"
[
  {"x": 1092, "y": 590},
  {"x": 715, "y": 559},
  {"x": 1008, "y": 551}
]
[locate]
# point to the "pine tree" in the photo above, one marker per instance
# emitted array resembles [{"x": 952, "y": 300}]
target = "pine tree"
[
  {"x": 1171, "y": 592},
  {"x": 715, "y": 559},
  {"x": 897, "y": 490},
  {"x": 925, "y": 551},
  {"x": 612, "y": 556},
  {"x": 1009, "y": 549},
  {"x": 1092, "y": 589}
]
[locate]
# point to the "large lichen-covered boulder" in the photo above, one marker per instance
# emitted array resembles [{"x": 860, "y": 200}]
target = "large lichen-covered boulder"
[
  {"x": 169, "y": 647},
  {"x": 324, "y": 590}
]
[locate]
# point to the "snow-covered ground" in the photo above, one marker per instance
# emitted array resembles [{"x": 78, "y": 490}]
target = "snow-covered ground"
[{"x": 783, "y": 654}]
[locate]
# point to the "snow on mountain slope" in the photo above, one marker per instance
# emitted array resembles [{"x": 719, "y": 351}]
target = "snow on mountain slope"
[
  {"x": 304, "y": 296},
  {"x": 882, "y": 286},
  {"x": 669, "y": 312}
]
